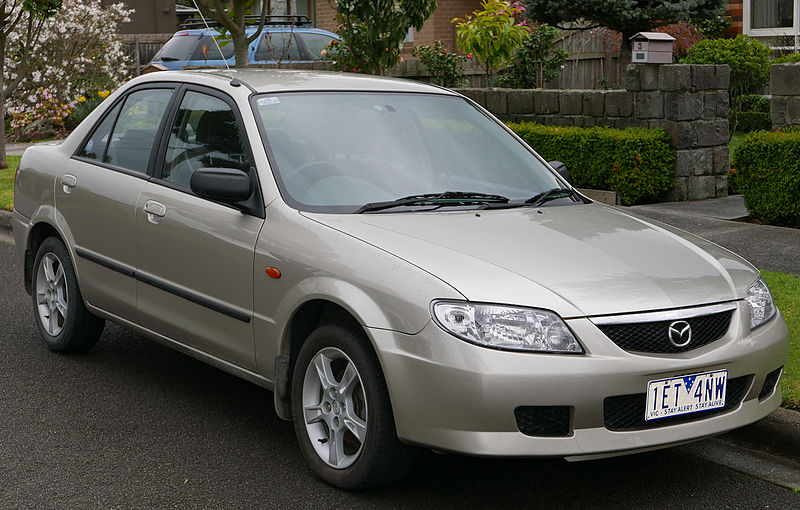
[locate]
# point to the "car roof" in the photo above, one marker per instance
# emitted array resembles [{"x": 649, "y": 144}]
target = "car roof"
[
  {"x": 286, "y": 80},
  {"x": 251, "y": 29}
]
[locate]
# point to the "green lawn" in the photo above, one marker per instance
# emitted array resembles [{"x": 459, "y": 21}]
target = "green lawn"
[
  {"x": 7, "y": 183},
  {"x": 735, "y": 141},
  {"x": 786, "y": 290}
]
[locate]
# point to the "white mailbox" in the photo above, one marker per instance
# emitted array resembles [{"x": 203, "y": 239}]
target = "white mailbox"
[{"x": 652, "y": 48}]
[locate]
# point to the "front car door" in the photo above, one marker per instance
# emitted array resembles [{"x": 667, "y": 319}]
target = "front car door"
[
  {"x": 97, "y": 192},
  {"x": 195, "y": 256}
]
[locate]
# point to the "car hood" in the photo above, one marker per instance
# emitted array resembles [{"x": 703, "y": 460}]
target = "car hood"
[{"x": 580, "y": 260}]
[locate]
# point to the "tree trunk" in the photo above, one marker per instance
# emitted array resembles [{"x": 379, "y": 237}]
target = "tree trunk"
[{"x": 240, "y": 49}]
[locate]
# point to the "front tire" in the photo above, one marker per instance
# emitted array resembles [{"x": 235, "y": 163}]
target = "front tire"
[
  {"x": 342, "y": 415},
  {"x": 63, "y": 321}
]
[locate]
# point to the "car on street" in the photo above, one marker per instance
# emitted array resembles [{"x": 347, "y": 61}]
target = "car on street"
[
  {"x": 396, "y": 265},
  {"x": 284, "y": 39}
]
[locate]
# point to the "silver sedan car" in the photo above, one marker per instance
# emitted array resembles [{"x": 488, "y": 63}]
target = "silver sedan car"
[{"x": 397, "y": 266}]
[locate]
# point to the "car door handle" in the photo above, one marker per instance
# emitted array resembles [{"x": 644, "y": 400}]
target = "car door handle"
[
  {"x": 154, "y": 210},
  {"x": 69, "y": 181}
]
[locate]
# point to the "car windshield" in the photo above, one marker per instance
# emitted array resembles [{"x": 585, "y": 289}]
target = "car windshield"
[{"x": 337, "y": 151}]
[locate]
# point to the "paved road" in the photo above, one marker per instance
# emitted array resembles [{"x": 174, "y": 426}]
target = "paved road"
[{"x": 135, "y": 425}]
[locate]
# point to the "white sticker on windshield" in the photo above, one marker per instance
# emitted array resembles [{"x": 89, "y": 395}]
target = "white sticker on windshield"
[{"x": 266, "y": 101}]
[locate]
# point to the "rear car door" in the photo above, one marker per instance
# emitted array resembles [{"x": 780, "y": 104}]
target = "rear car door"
[
  {"x": 97, "y": 192},
  {"x": 195, "y": 256}
]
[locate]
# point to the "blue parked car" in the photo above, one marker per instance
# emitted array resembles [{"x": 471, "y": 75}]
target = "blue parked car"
[{"x": 283, "y": 39}]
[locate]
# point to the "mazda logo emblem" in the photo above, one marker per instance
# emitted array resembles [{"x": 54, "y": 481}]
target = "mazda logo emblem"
[{"x": 680, "y": 333}]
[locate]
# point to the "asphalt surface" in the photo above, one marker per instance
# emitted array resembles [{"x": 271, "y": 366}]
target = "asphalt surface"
[{"x": 136, "y": 425}]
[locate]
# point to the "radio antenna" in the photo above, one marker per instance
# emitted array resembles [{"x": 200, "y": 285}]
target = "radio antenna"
[{"x": 234, "y": 81}]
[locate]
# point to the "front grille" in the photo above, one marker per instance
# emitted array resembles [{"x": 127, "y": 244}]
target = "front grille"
[
  {"x": 653, "y": 336},
  {"x": 626, "y": 412},
  {"x": 769, "y": 383},
  {"x": 546, "y": 421}
]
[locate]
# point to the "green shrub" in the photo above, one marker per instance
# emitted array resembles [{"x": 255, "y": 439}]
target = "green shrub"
[
  {"x": 635, "y": 162},
  {"x": 748, "y": 59},
  {"x": 536, "y": 61},
  {"x": 787, "y": 59},
  {"x": 768, "y": 173},
  {"x": 753, "y": 121},
  {"x": 445, "y": 67},
  {"x": 753, "y": 103}
]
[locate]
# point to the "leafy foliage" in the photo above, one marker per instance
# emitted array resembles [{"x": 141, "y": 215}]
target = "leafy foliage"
[
  {"x": 768, "y": 174},
  {"x": 373, "y": 31},
  {"x": 445, "y": 67},
  {"x": 712, "y": 27},
  {"x": 789, "y": 58},
  {"x": 686, "y": 35},
  {"x": 635, "y": 162},
  {"x": 491, "y": 35},
  {"x": 536, "y": 61},
  {"x": 626, "y": 16},
  {"x": 748, "y": 59}
]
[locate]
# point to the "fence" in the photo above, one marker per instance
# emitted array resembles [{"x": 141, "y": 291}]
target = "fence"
[
  {"x": 593, "y": 63},
  {"x": 141, "y": 48}
]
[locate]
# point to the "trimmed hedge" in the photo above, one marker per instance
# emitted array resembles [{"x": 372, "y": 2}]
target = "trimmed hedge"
[
  {"x": 637, "y": 163},
  {"x": 768, "y": 173},
  {"x": 753, "y": 121}
]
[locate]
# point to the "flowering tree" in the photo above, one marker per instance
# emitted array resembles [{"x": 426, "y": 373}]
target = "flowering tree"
[
  {"x": 230, "y": 14},
  {"x": 373, "y": 31},
  {"x": 492, "y": 35},
  {"x": 21, "y": 23},
  {"x": 76, "y": 52}
]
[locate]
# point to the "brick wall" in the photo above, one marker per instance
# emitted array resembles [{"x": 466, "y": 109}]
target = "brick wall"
[
  {"x": 735, "y": 11},
  {"x": 689, "y": 101},
  {"x": 784, "y": 85}
]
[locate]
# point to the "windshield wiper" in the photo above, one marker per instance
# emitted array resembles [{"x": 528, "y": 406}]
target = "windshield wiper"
[
  {"x": 168, "y": 59},
  {"x": 447, "y": 198},
  {"x": 551, "y": 194}
]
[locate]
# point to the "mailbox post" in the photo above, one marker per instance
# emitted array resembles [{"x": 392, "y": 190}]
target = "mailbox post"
[{"x": 652, "y": 48}]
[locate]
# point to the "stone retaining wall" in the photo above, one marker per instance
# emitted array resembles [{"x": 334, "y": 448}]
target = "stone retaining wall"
[
  {"x": 689, "y": 101},
  {"x": 784, "y": 85}
]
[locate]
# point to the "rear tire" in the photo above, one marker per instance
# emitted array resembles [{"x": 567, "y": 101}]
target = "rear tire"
[
  {"x": 342, "y": 414},
  {"x": 63, "y": 320}
]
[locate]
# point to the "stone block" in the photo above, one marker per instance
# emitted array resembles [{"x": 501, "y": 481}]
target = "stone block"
[
  {"x": 723, "y": 102},
  {"x": 679, "y": 191},
  {"x": 570, "y": 102},
  {"x": 694, "y": 162},
  {"x": 520, "y": 101},
  {"x": 682, "y": 133},
  {"x": 594, "y": 103},
  {"x": 545, "y": 101},
  {"x": 721, "y": 187},
  {"x": 632, "y": 80},
  {"x": 604, "y": 122},
  {"x": 675, "y": 77},
  {"x": 477, "y": 95},
  {"x": 784, "y": 79},
  {"x": 710, "y": 133},
  {"x": 619, "y": 103},
  {"x": 561, "y": 121},
  {"x": 709, "y": 105},
  {"x": 722, "y": 73},
  {"x": 497, "y": 101},
  {"x": 793, "y": 110},
  {"x": 648, "y": 76},
  {"x": 702, "y": 187},
  {"x": 683, "y": 105},
  {"x": 649, "y": 105},
  {"x": 722, "y": 160},
  {"x": 778, "y": 111},
  {"x": 704, "y": 77},
  {"x": 589, "y": 122}
]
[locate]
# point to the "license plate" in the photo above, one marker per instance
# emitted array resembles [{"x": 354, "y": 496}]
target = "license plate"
[{"x": 686, "y": 394}]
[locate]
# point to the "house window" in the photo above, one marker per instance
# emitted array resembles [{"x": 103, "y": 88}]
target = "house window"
[{"x": 771, "y": 13}]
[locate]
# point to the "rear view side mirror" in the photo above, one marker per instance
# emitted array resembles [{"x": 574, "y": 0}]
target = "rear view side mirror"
[
  {"x": 561, "y": 168},
  {"x": 221, "y": 184}
]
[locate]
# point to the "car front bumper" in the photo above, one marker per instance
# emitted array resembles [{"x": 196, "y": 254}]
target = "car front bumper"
[{"x": 453, "y": 396}]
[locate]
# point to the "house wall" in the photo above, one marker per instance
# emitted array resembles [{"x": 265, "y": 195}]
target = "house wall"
[
  {"x": 689, "y": 101},
  {"x": 151, "y": 16},
  {"x": 735, "y": 11}
]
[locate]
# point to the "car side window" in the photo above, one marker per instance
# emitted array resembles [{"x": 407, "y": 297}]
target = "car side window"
[
  {"x": 134, "y": 134},
  {"x": 95, "y": 146},
  {"x": 278, "y": 47},
  {"x": 205, "y": 134},
  {"x": 315, "y": 43}
]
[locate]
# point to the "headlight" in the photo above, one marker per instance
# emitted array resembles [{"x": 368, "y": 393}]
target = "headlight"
[
  {"x": 759, "y": 299},
  {"x": 505, "y": 327}
]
